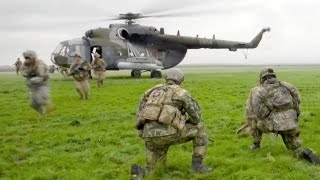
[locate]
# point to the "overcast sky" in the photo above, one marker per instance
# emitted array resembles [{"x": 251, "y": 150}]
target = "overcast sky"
[{"x": 294, "y": 38}]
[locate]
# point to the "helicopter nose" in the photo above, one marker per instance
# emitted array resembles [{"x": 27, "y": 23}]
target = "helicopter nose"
[{"x": 59, "y": 60}]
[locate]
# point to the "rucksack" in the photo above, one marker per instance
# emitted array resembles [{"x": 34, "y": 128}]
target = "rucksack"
[{"x": 279, "y": 97}]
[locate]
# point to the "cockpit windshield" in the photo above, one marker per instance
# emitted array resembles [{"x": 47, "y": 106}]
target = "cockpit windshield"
[
  {"x": 69, "y": 48},
  {"x": 62, "y": 49}
]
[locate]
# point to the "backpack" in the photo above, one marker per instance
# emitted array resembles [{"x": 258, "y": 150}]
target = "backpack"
[{"x": 278, "y": 97}]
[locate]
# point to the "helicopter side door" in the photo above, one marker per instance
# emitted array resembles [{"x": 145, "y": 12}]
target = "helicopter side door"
[{"x": 112, "y": 55}]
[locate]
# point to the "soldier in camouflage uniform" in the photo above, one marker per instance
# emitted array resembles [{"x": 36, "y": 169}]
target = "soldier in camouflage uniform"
[
  {"x": 63, "y": 70},
  {"x": 99, "y": 67},
  {"x": 36, "y": 73},
  {"x": 18, "y": 65},
  {"x": 52, "y": 68},
  {"x": 168, "y": 115},
  {"x": 274, "y": 107},
  {"x": 79, "y": 70}
]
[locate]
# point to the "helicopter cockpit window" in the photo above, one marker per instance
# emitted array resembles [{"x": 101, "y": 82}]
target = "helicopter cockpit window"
[
  {"x": 62, "y": 49},
  {"x": 72, "y": 49},
  {"x": 58, "y": 49}
]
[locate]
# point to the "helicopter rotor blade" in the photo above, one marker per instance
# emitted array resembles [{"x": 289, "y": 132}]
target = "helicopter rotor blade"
[
  {"x": 183, "y": 14},
  {"x": 164, "y": 6}
]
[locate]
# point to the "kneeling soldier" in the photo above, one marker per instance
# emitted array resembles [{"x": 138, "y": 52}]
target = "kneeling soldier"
[
  {"x": 168, "y": 115},
  {"x": 275, "y": 108}
]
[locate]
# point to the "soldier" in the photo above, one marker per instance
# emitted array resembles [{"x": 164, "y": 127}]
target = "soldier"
[
  {"x": 99, "y": 67},
  {"x": 79, "y": 70},
  {"x": 18, "y": 65},
  {"x": 63, "y": 70},
  {"x": 36, "y": 73},
  {"x": 168, "y": 115},
  {"x": 275, "y": 108},
  {"x": 51, "y": 69}
]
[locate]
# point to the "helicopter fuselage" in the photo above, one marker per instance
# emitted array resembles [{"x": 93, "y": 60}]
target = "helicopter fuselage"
[
  {"x": 122, "y": 47},
  {"x": 135, "y": 47}
]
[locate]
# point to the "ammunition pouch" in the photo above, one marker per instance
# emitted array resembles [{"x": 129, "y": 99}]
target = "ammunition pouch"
[
  {"x": 168, "y": 114},
  {"x": 78, "y": 76},
  {"x": 150, "y": 113},
  {"x": 159, "y": 107},
  {"x": 172, "y": 116}
]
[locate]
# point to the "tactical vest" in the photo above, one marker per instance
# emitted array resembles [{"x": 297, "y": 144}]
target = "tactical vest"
[
  {"x": 159, "y": 107},
  {"x": 279, "y": 101},
  {"x": 78, "y": 74}
]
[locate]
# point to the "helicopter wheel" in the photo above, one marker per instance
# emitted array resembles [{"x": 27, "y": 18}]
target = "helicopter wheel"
[
  {"x": 156, "y": 74},
  {"x": 136, "y": 73}
]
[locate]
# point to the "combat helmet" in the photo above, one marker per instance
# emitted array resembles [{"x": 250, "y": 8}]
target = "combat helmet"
[
  {"x": 266, "y": 72},
  {"x": 77, "y": 54},
  {"x": 29, "y": 54},
  {"x": 175, "y": 75}
]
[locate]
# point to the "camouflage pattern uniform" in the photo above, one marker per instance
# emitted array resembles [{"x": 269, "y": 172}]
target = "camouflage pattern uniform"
[
  {"x": 52, "y": 68},
  {"x": 36, "y": 73},
  {"x": 18, "y": 65},
  {"x": 274, "y": 107},
  {"x": 79, "y": 70},
  {"x": 99, "y": 67},
  {"x": 186, "y": 125},
  {"x": 63, "y": 70}
]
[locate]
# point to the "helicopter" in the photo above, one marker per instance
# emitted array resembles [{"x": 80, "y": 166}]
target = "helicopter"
[{"x": 130, "y": 46}]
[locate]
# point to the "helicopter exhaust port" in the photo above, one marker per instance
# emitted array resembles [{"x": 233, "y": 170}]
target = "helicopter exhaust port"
[{"x": 123, "y": 33}]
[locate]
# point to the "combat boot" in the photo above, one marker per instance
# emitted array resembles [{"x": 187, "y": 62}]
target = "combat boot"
[
  {"x": 255, "y": 147},
  {"x": 137, "y": 172},
  {"x": 310, "y": 156},
  {"x": 198, "y": 166}
]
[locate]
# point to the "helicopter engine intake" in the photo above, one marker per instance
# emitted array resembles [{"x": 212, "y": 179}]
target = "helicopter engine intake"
[{"x": 123, "y": 33}]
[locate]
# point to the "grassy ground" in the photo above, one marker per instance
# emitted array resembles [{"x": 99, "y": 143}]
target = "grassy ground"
[{"x": 105, "y": 142}]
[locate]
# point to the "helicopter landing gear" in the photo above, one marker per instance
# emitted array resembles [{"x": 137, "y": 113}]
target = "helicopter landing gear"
[
  {"x": 136, "y": 73},
  {"x": 156, "y": 74}
]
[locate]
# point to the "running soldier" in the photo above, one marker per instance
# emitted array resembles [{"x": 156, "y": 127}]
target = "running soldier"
[
  {"x": 18, "y": 65},
  {"x": 99, "y": 67},
  {"x": 37, "y": 78},
  {"x": 79, "y": 70}
]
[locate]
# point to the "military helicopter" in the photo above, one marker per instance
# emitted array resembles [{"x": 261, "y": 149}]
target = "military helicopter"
[{"x": 131, "y": 46}]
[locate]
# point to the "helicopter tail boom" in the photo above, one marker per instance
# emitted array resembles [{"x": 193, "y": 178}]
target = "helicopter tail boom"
[{"x": 197, "y": 43}]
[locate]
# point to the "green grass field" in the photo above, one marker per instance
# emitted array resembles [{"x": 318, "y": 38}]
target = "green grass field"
[{"x": 105, "y": 143}]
